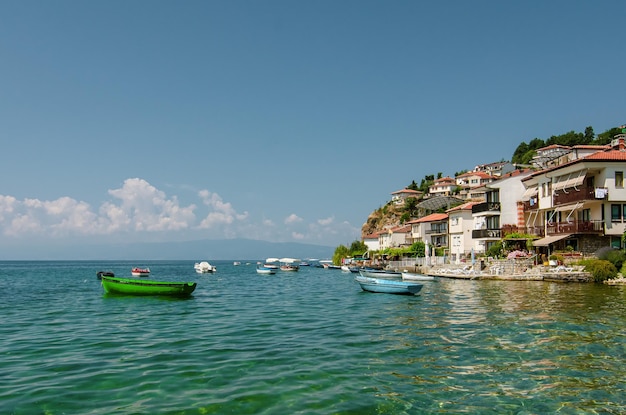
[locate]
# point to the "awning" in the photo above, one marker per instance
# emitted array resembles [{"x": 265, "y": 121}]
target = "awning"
[
  {"x": 530, "y": 192},
  {"x": 550, "y": 239},
  {"x": 571, "y": 207},
  {"x": 569, "y": 180}
]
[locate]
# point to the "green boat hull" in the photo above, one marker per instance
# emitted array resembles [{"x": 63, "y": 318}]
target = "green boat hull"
[{"x": 132, "y": 286}]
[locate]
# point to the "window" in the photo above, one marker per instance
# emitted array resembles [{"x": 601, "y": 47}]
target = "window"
[
  {"x": 616, "y": 242},
  {"x": 585, "y": 215},
  {"x": 619, "y": 179},
  {"x": 616, "y": 213}
]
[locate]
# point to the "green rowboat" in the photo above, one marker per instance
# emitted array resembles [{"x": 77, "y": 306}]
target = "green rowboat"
[{"x": 133, "y": 286}]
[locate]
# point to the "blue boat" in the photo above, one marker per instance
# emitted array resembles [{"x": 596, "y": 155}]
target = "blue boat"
[
  {"x": 266, "y": 269},
  {"x": 382, "y": 285}
]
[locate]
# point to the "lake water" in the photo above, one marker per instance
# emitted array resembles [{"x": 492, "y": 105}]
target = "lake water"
[{"x": 309, "y": 342}]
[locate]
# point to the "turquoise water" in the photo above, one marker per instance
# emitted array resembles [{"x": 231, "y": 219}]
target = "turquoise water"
[{"x": 309, "y": 342}]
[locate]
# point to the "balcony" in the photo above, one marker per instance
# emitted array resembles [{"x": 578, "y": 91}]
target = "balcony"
[
  {"x": 536, "y": 231},
  {"x": 594, "y": 227},
  {"x": 436, "y": 231},
  {"x": 528, "y": 206},
  {"x": 486, "y": 207},
  {"x": 582, "y": 194},
  {"x": 486, "y": 234}
]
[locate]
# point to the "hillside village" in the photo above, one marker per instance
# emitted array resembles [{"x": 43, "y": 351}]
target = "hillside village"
[{"x": 568, "y": 199}]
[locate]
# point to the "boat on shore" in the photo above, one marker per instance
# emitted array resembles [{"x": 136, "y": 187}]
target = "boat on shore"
[
  {"x": 410, "y": 276},
  {"x": 382, "y": 285},
  {"x": 204, "y": 267},
  {"x": 140, "y": 272},
  {"x": 380, "y": 273},
  {"x": 133, "y": 286}
]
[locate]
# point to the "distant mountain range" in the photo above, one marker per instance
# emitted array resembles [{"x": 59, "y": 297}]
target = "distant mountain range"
[{"x": 206, "y": 249}]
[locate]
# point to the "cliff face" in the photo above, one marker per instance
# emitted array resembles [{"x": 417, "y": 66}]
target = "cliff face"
[{"x": 383, "y": 218}]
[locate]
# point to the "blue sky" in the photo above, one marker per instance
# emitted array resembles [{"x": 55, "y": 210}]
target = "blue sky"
[{"x": 278, "y": 120}]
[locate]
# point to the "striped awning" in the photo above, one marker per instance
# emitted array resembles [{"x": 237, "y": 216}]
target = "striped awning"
[{"x": 569, "y": 180}]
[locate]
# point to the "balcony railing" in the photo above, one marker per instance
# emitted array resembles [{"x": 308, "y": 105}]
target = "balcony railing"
[
  {"x": 583, "y": 193},
  {"x": 575, "y": 226},
  {"x": 536, "y": 231},
  {"x": 436, "y": 231},
  {"x": 486, "y": 207},
  {"x": 528, "y": 206},
  {"x": 487, "y": 233}
]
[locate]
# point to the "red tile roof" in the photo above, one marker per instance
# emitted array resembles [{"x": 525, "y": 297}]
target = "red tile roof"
[{"x": 433, "y": 217}]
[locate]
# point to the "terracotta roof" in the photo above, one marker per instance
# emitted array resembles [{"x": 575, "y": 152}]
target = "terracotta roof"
[
  {"x": 464, "y": 206},
  {"x": 431, "y": 218},
  {"x": 406, "y": 191},
  {"x": 611, "y": 155},
  {"x": 401, "y": 229}
]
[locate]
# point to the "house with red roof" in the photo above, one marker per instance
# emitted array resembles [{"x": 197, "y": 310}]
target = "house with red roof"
[
  {"x": 460, "y": 226},
  {"x": 399, "y": 196},
  {"x": 431, "y": 229},
  {"x": 397, "y": 237},
  {"x": 444, "y": 186},
  {"x": 372, "y": 241},
  {"x": 578, "y": 202}
]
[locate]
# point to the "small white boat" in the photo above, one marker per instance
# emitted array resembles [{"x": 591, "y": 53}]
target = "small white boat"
[
  {"x": 236, "y": 263},
  {"x": 410, "y": 276},
  {"x": 264, "y": 269},
  {"x": 382, "y": 285},
  {"x": 140, "y": 272},
  {"x": 380, "y": 273},
  {"x": 204, "y": 267},
  {"x": 289, "y": 264}
]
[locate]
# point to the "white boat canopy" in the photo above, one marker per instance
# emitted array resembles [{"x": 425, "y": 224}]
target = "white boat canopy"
[
  {"x": 272, "y": 260},
  {"x": 289, "y": 260}
]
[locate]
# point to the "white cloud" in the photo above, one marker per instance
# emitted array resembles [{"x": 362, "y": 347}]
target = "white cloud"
[
  {"x": 293, "y": 218},
  {"x": 223, "y": 213},
  {"x": 145, "y": 208},
  {"x": 138, "y": 208},
  {"x": 327, "y": 221}
]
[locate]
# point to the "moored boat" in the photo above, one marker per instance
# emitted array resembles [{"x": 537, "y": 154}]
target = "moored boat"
[
  {"x": 382, "y": 285},
  {"x": 289, "y": 264},
  {"x": 132, "y": 286},
  {"x": 380, "y": 273},
  {"x": 99, "y": 274},
  {"x": 140, "y": 272},
  {"x": 410, "y": 276},
  {"x": 204, "y": 267},
  {"x": 264, "y": 269}
]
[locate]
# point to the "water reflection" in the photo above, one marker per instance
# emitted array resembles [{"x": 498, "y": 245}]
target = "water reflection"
[{"x": 470, "y": 342}]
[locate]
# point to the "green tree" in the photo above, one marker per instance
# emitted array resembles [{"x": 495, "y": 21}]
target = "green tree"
[
  {"x": 589, "y": 135},
  {"x": 341, "y": 252},
  {"x": 357, "y": 248}
]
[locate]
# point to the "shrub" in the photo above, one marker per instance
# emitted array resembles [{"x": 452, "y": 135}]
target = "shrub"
[
  {"x": 616, "y": 257},
  {"x": 599, "y": 269}
]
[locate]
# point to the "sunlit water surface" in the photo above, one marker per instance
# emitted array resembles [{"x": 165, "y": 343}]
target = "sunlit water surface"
[{"x": 309, "y": 342}]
